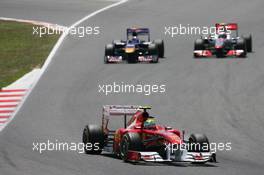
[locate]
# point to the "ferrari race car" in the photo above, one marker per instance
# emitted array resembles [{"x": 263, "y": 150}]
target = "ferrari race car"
[
  {"x": 137, "y": 48},
  {"x": 225, "y": 43},
  {"x": 140, "y": 139}
]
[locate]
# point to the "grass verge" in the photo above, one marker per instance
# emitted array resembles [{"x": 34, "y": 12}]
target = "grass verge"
[{"x": 21, "y": 51}]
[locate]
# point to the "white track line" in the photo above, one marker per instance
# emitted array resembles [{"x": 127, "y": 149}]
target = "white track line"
[{"x": 53, "y": 52}]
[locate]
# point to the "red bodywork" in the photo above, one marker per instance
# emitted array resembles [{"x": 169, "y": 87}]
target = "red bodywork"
[
  {"x": 163, "y": 134},
  {"x": 153, "y": 143}
]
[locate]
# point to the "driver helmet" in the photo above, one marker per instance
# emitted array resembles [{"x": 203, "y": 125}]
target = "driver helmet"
[
  {"x": 134, "y": 35},
  {"x": 145, "y": 115},
  {"x": 223, "y": 35}
]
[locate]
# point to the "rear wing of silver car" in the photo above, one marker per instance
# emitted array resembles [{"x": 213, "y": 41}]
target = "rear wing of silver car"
[
  {"x": 118, "y": 110},
  {"x": 227, "y": 26}
]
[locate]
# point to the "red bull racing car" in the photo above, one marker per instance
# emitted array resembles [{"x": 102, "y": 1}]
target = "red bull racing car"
[
  {"x": 136, "y": 48},
  {"x": 225, "y": 43},
  {"x": 140, "y": 139}
]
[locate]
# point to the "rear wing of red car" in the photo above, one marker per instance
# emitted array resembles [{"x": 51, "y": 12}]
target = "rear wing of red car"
[{"x": 118, "y": 110}]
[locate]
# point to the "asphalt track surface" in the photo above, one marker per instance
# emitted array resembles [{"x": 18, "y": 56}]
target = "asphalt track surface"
[
  {"x": 62, "y": 12},
  {"x": 223, "y": 98}
]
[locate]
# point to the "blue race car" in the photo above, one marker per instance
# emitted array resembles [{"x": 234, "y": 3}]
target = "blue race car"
[{"x": 137, "y": 48}]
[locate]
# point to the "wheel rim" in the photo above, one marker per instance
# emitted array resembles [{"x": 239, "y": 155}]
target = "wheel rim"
[{"x": 124, "y": 148}]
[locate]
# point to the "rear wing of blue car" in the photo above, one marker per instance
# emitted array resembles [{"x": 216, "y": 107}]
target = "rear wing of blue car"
[{"x": 138, "y": 31}]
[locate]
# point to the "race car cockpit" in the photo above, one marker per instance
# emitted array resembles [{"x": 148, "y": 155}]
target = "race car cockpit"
[
  {"x": 134, "y": 39},
  {"x": 149, "y": 121}
]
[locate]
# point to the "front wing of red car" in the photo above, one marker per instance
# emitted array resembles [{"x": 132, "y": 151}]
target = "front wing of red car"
[{"x": 183, "y": 156}]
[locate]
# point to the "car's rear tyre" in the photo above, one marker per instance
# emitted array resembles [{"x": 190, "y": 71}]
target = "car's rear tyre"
[
  {"x": 160, "y": 46},
  {"x": 130, "y": 141},
  {"x": 109, "y": 51},
  {"x": 199, "y": 44},
  {"x": 153, "y": 50},
  {"x": 94, "y": 136},
  {"x": 241, "y": 45},
  {"x": 248, "y": 39}
]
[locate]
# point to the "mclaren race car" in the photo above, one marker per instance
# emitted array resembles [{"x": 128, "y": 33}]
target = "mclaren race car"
[
  {"x": 140, "y": 139},
  {"x": 225, "y": 43},
  {"x": 137, "y": 48}
]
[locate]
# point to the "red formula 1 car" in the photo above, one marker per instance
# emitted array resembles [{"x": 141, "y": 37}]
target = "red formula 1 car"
[
  {"x": 141, "y": 139},
  {"x": 225, "y": 43}
]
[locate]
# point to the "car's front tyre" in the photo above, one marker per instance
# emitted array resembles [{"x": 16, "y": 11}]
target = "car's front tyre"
[{"x": 130, "y": 142}]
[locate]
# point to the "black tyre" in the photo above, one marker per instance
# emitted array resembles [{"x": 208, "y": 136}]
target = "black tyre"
[
  {"x": 241, "y": 45},
  {"x": 199, "y": 44},
  {"x": 153, "y": 50},
  {"x": 248, "y": 39},
  {"x": 94, "y": 136},
  {"x": 130, "y": 141},
  {"x": 160, "y": 45},
  {"x": 199, "y": 143},
  {"x": 116, "y": 41},
  {"x": 109, "y": 51}
]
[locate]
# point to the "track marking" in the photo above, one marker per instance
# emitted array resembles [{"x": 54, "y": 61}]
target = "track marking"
[
  {"x": 8, "y": 106},
  {"x": 13, "y": 90},
  {"x": 5, "y": 116},
  {"x": 9, "y": 101},
  {"x": 11, "y": 95},
  {"x": 6, "y": 101}
]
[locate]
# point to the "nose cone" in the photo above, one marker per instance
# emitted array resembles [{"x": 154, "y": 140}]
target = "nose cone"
[{"x": 219, "y": 44}]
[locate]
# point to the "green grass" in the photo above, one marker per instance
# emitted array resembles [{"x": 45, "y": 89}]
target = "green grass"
[{"x": 21, "y": 51}]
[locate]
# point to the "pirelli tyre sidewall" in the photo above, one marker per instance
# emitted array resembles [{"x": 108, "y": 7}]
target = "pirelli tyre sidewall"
[
  {"x": 153, "y": 51},
  {"x": 93, "y": 135},
  {"x": 241, "y": 45},
  {"x": 198, "y": 143},
  {"x": 160, "y": 46},
  {"x": 248, "y": 39},
  {"x": 109, "y": 51},
  {"x": 130, "y": 142},
  {"x": 199, "y": 44}
]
